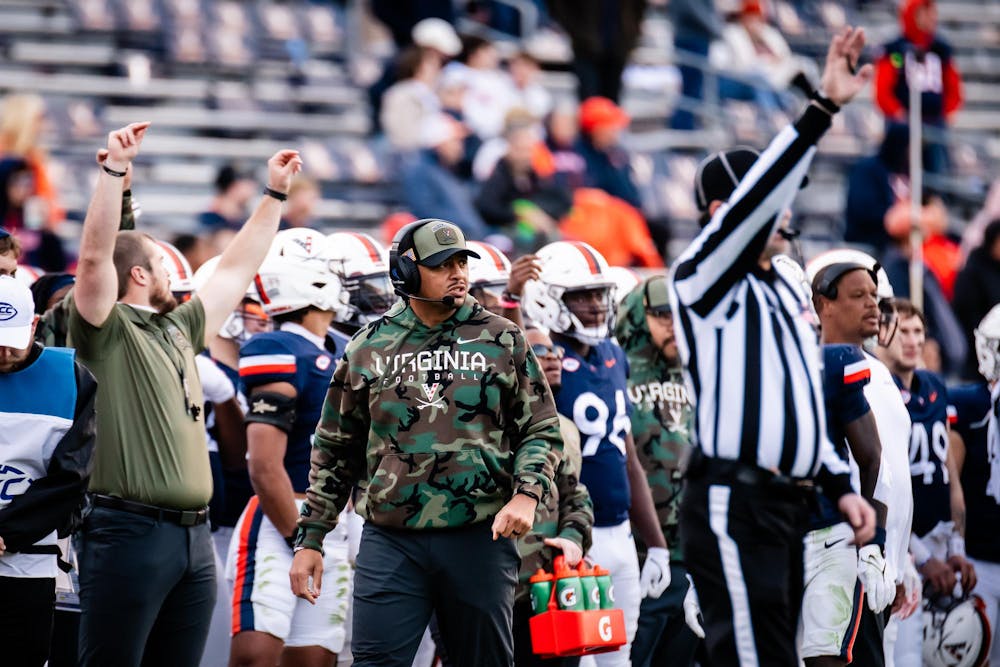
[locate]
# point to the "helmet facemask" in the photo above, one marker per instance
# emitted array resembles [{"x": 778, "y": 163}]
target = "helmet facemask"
[{"x": 590, "y": 335}]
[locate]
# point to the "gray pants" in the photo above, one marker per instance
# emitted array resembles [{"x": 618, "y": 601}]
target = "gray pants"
[
  {"x": 461, "y": 574},
  {"x": 146, "y": 590}
]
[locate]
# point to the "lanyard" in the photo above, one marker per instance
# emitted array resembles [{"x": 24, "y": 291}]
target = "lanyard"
[{"x": 176, "y": 356}]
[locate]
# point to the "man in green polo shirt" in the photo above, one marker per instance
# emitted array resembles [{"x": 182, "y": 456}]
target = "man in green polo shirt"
[{"x": 147, "y": 571}]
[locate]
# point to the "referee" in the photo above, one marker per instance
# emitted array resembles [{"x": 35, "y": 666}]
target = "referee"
[{"x": 752, "y": 364}]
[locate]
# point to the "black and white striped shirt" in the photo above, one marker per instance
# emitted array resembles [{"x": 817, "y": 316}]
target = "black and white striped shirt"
[{"x": 751, "y": 358}]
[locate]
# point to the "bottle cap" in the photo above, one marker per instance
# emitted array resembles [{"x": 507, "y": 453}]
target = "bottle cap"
[
  {"x": 600, "y": 571},
  {"x": 540, "y": 575},
  {"x": 584, "y": 569}
]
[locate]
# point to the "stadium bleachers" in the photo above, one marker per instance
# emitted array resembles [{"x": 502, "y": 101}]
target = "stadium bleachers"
[{"x": 231, "y": 81}]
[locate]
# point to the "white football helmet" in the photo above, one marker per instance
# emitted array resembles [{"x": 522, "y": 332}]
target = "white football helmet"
[
  {"x": 362, "y": 265},
  {"x": 28, "y": 274},
  {"x": 625, "y": 280},
  {"x": 286, "y": 284},
  {"x": 234, "y": 328},
  {"x": 490, "y": 271},
  {"x": 987, "y": 337},
  {"x": 888, "y": 321},
  {"x": 569, "y": 266},
  {"x": 956, "y": 632},
  {"x": 178, "y": 269},
  {"x": 299, "y": 243}
]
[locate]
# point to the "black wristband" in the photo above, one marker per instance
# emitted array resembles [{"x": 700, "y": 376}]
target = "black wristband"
[
  {"x": 530, "y": 494},
  {"x": 879, "y": 538},
  {"x": 290, "y": 541},
  {"x": 824, "y": 102},
  {"x": 507, "y": 296},
  {"x": 280, "y": 196},
  {"x": 111, "y": 172}
]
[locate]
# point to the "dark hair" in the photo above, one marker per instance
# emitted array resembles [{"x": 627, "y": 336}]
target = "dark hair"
[
  {"x": 295, "y": 316},
  {"x": 47, "y": 285},
  {"x": 185, "y": 242},
  {"x": 471, "y": 44},
  {"x": 409, "y": 61},
  {"x": 10, "y": 244},
  {"x": 131, "y": 249},
  {"x": 905, "y": 309},
  {"x": 227, "y": 176},
  {"x": 991, "y": 234}
]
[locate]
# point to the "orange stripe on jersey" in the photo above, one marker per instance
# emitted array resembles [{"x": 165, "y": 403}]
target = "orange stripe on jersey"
[
  {"x": 863, "y": 374},
  {"x": 369, "y": 246},
  {"x": 242, "y": 556},
  {"x": 592, "y": 263},
  {"x": 265, "y": 369}
]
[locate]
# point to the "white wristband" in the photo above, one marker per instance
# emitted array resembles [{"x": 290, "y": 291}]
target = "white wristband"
[
  {"x": 921, "y": 554},
  {"x": 956, "y": 545}
]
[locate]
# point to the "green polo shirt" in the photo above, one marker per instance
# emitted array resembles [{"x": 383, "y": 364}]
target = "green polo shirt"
[{"x": 150, "y": 448}]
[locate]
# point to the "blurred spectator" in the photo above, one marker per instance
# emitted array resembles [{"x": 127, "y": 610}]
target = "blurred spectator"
[
  {"x": 490, "y": 92},
  {"x": 601, "y": 125},
  {"x": 942, "y": 325},
  {"x": 753, "y": 48},
  {"x": 303, "y": 196},
  {"x": 529, "y": 93},
  {"x": 50, "y": 289},
  {"x": 412, "y": 100},
  {"x": 941, "y": 254},
  {"x": 613, "y": 227},
  {"x": 919, "y": 54},
  {"x": 452, "y": 88},
  {"x": 23, "y": 214},
  {"x": 22, "y": 117},
  {"x": 603, "y": 34},
  {"x": 10, "y": 252},
  {"x": 563, "y": 159},
  {"x": 409, "y": 29},
  {"x": 974, "y": 231},
  {"x": 196, "y": 249},
  {"x": 231, "y": 205},
  {"x": 516, "y": 198},
  {"x": 977, "y": 289},
  {"x": 696, "y": 23},
  {"x": 430, "y": 186},
  {"x": 874, "y": 185}
]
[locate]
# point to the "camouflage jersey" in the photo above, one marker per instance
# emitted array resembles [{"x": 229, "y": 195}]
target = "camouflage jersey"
[
  {"x": 661, "y": 414},
  {"x": 565, "y": 512},
  {"x": 437, "y": 426}
]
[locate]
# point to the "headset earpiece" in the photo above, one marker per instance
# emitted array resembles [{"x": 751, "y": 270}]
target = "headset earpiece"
[{"x": 403, "y": 269}]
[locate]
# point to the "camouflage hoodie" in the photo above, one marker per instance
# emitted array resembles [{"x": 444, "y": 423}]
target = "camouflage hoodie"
[
  {"x": 437, "y": 426},
  {"x": 661, "y": 413},
  {"x": 565, "y": 512}
]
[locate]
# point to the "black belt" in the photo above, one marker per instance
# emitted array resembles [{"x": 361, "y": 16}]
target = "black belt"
[
  {"x": 180, "y": 517},
  {"x": 728, "y": 471}
]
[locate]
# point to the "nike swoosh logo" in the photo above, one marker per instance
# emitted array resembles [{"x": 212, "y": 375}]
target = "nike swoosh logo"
[
  {"x": 463, "y": 341},
  {"x": 830, "y": 544}
]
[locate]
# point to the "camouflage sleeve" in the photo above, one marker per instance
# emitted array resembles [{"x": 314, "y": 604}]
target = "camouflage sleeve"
[
  {"x": 576, "y": 511},
  {"x": 533, "y": 411},
  {"x": 338, "y": 457}
]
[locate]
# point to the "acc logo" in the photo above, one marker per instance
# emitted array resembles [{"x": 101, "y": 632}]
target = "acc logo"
[
  {"x": 322, "y": 362},
  {"x": 571, "y": 365},
  {"x": 604, "y": 628},
  {"x": 10, "y": 479},
  {"x": 7, "y": 311},
  {"x": 567, "y": 598}
]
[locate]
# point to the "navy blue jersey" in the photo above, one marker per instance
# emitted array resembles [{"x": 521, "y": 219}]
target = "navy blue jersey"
[
  {"x": 972, "y": 408},
  {"x": 846, "y": 371},
  {"x": 927, "y": 402},
  {"x": 594, "y": 395},
  {"x": 283, "y": 356}
]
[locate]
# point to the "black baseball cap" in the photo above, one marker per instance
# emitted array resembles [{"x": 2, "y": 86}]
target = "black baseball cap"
[{"x": 720, "y": 173}]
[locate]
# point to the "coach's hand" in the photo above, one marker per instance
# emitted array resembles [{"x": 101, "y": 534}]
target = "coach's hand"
[
  {"x": 571, "y": 550},
  {"x": 307, "y": 565},
  {"x": 839, "y": 84},
  {"x": 859, "y": 515},
  {"x": 515, "y": 518},
  {"x": 123, "y": 145},
  {"x": 280, "y": 169}
]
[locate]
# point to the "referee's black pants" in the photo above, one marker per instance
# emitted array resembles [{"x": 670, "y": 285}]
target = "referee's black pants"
[{"x": 743, "y": 548}]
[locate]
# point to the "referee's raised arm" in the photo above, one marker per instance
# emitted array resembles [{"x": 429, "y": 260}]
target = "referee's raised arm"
[{"x": 752, "y": 363}]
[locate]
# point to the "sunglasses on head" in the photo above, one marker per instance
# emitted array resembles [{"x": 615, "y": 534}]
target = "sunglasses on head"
[{"x": 547, "y": 351}]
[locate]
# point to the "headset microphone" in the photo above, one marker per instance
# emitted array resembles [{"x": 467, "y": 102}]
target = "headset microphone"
[{"x": 448, "y": 301}]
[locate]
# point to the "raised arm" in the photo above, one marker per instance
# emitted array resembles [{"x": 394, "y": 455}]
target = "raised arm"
[
  {"x": 96, "y": 282},
  {"x": 243, "y": 256}
]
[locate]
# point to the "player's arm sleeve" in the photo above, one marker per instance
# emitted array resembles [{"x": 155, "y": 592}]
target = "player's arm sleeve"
[
  {"x": 338, "y": 455},
  {"x": 730, "y": 245},
  {"x": 49, "y": 502},
  {"x": 576, "y": 511},
  {"x": 531, "y": 412}
]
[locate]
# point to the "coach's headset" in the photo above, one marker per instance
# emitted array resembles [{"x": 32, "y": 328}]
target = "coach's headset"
[{"x": 403, "y": 270}]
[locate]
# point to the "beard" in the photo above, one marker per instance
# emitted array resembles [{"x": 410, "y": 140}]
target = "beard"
[{"x": 163, "y": 301}]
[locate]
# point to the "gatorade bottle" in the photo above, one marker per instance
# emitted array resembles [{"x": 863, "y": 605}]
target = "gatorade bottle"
[
  {"x": 591, "y": 593},
  {"x": 569, "y": 591},
  {"x": 606, "y": 588},
  {"x": 541, "y": 590}
]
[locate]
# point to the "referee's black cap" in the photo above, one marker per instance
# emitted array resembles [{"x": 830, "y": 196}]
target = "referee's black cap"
[{"x": 720, "y": 173}]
